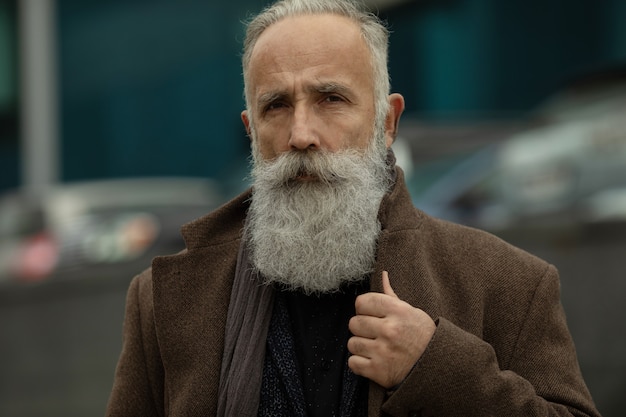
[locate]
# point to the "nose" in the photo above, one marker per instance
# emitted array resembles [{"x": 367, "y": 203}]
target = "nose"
[{"x": 303, "y": 134}]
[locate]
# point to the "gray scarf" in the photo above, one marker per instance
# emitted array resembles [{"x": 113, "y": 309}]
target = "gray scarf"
[{"x": 247, "y": 324}]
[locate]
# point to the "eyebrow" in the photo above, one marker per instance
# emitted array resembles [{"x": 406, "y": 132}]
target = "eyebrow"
[
  {"x": 270, "y": 97},
  {"x": 319, "y": 88},
  {"x": 329, "y": 87}
]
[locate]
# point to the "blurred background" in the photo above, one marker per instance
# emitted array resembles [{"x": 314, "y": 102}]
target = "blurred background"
[{"x": 119, "y": 121}]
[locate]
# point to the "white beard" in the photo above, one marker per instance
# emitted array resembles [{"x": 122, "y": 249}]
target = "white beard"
[{"x": 317, "y": 235}]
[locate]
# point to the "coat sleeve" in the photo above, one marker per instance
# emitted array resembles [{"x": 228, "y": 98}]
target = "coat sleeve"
[
  {"x": 138, "y": 383},
  {"x": 459, "y": 374}
]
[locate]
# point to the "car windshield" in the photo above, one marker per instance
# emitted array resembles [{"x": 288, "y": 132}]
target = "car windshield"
[{"x": 426, "y": 175}]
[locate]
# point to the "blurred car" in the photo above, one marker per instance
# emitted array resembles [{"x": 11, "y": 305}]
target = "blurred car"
[
  {"x": 463, "y": 188},
  {"x": 578, "y": 150},
  {"x": 568, "y": 167},
  {"x": 91, "y": 227}
]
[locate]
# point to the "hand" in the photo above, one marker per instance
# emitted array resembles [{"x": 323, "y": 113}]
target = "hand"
[{"x": 390, "y": 336}]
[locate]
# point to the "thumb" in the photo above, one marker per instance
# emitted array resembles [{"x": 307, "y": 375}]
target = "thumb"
[{"x": 387, "y": 285}]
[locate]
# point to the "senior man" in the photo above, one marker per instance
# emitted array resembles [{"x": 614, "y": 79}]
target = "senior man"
[{"x": 322, "y": 291}]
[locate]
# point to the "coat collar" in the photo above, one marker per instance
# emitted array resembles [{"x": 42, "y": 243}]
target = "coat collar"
[{"x": 398, "y": 253}]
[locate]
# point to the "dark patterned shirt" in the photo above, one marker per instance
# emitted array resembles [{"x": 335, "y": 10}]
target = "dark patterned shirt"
[{"x": 306, "y": 366}]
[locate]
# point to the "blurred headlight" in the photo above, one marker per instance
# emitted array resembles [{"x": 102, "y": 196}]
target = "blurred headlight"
[
  {"x": 121, "y": 239},
  {"x": 37, "y": 258}
]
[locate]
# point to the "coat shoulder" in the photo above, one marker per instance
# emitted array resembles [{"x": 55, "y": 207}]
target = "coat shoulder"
[{"x": 477, "y": 246}]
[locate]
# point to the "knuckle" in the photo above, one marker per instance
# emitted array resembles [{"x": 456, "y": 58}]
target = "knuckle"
[
  {"x": 353, "y": 323},
  {"x": 382, "y": 303},
  {"x": 355, "y": 345},
  {"x": 392, "y": 331},
  {"x": 358, "y": 304},
  {"x": 354, "y": 365},
  {"x": 350, "y": 345}
]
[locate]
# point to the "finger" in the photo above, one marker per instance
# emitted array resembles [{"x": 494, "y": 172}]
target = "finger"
[
  {"x": 387, "y": 285},
  {"x": 359, "y": 365},
  {"x": 363, "y": 326},
  {"x": 372, "y": 304},
  {"x": 361, "y": 346}
]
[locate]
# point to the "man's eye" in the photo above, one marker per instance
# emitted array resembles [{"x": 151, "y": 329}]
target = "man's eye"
[
  {"x": 333, "y": 98},
  {"x": 274, "y": 105}
]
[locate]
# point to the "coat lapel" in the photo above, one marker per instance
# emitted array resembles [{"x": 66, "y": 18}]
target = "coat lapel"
[
  {"x": 191, "y": 293},
  {"x": 399, "y": 254}
]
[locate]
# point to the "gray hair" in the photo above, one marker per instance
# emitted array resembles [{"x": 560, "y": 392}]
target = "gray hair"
[{"x": 374, "y": 33}]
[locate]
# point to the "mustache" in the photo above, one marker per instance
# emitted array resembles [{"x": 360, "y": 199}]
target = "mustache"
[{"x": 320, "y": 165}]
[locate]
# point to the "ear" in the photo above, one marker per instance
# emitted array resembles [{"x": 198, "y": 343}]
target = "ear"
[
  {"x": 246, "y": 122},
  {"x": 396, "y": 107}
]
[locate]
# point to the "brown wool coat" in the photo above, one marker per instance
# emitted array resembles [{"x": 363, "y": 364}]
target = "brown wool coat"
[{"x": 501, "y": 348}]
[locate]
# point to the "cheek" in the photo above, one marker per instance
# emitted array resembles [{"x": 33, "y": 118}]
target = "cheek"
[
  {"x": 272, "y": 141},
  {"x": 363, "y": 141},
  {"x": 259, "y": 148},
  {"x": 265, "y": 141},
  {"x": 265, "y": 148},
  {"x": 358, "y": 137},
  {"x": 357, "y": 129}
]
